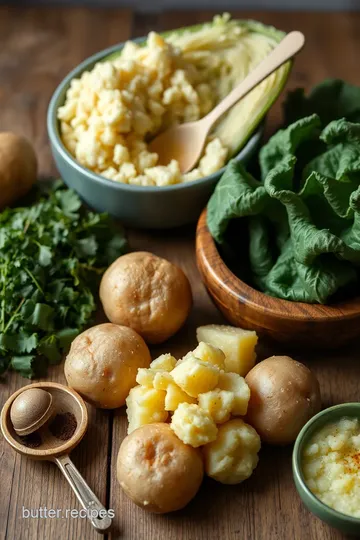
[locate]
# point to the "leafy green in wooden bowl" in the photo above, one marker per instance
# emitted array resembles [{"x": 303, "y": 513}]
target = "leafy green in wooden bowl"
[{"x": 302, "y": 227}]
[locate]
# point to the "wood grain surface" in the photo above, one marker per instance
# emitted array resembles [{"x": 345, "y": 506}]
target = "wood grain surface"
[{"x": 38, "y": 47}]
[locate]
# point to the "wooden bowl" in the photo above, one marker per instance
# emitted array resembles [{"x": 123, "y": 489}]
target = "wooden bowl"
[{"x": 297, "y": 323}]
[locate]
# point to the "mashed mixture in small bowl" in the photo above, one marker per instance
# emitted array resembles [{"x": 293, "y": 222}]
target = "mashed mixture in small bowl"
[
  {"x": 331, "y": 465},
  {"x": 109, "y": 112}
]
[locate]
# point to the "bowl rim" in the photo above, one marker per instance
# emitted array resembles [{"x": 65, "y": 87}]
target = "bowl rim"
[
  {"x": 297, "y": 468},
  {"x": 258, "y": 301},
  {"x": 54, "y": 136}
]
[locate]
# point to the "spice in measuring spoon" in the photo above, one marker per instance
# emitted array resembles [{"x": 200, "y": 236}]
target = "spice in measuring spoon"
[
  {"x": 32, "y": 441},
  {"x": 63, "y": 426}
]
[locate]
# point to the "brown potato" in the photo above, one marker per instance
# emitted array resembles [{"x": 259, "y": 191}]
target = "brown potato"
[
  {"x": 157, "y": 471},
  {"x": 284, "y": 395},
  {"x": 18, "y": 167},
  {"x": 102, "y": 364},
  {"x": 146, "y": 293}
]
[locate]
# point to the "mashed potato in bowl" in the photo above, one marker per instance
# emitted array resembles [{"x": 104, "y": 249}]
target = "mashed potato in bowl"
[
  {"x": 112, "y": 111},
  {"x": 331, "y": 465}
]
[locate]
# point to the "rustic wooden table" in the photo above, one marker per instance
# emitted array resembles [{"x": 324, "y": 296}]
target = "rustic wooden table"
[{"x": 38, "y": 47}]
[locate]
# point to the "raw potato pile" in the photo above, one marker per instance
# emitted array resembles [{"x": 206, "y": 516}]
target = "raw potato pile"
[
  {"x": 110, "y": 111},
  {"x": 198, "y": 403},
  {"x": 200, "y": 396}
]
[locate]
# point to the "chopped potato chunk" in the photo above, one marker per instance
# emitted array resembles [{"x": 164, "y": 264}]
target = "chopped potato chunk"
[
  {"x": 232, "y": 457},
  {"x": 232, "y": 382},
  {"x": 195, "y": 377},
  {"x": 165, "y": 362},
  {"x": 193, "y": 425},
  {"x": 187, "y": 356},
  {"x": 218, "y": 403},
  {"x": 196, "y": 389},
  {"x": 145, "y": 377},
  {"x": 145, "y": 406},
  {"x": 162, "y": 380},
  {"x": 237, "y": 344},
  {"x": 175, "y": 396},
  {"x": 209, "y": 353}
]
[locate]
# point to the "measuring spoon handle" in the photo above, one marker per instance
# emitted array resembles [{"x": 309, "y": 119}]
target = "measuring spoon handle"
[
  {"x": 287, "y": 48},
  {"x": 85, "y": 496}
]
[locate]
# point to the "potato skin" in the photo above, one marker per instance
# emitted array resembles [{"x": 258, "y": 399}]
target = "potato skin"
[
  {"x": 18, "y": 167},
  {"x": 102, "y": 364},
  {"x": 284, "y": 395},
  {"x": 157, "y": 471},
  {"x": 146, "y": 293}
]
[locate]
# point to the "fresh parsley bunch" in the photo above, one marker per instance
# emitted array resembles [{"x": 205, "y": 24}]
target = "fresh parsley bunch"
[{"x": 52, "y": 255}]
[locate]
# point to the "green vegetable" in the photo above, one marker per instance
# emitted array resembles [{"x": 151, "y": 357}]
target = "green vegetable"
[
  {"x": 52, "y": 255},
  {"x": 330, "y": 100},
  {"x": 303, "y": 215}
]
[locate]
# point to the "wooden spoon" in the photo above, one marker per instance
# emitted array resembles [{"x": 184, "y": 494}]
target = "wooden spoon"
[
  {"x": 185, "y": 142},
  {"x": 64, "y": 400}
]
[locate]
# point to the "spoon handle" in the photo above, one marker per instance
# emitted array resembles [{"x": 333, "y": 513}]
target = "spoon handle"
[
  {"x": 287, "y": 48},
  {"x": 85, "y": 496}
]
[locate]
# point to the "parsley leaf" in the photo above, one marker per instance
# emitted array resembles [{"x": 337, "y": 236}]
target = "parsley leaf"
[{"x": 52, "y": 256}]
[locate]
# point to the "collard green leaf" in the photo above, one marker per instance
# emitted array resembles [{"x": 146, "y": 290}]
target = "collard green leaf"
[
  {"x": 308, "y": 240},
  {"x": 304, "y": 237},
  {"x": 351, "y": 236},
  {"x": 330, "y": 100},
  {"x": 325, "y": 277},
  {"x": 287, "y": 141},
  {"x": 291, "y": 280},
  {"x": 283, "y": 280},
  {"x": 261, "y": 252},
  {"x": 341, "y": 131},
  {"x": 237, "y": 194},
  {"x": 342, "y": 160},
  {"x": 330, "y": 196}
]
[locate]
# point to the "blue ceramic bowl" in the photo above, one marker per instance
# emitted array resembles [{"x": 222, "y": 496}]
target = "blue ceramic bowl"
[
  {"x": 346, "y": 524},
  {"x": 136, "y": 206}
]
